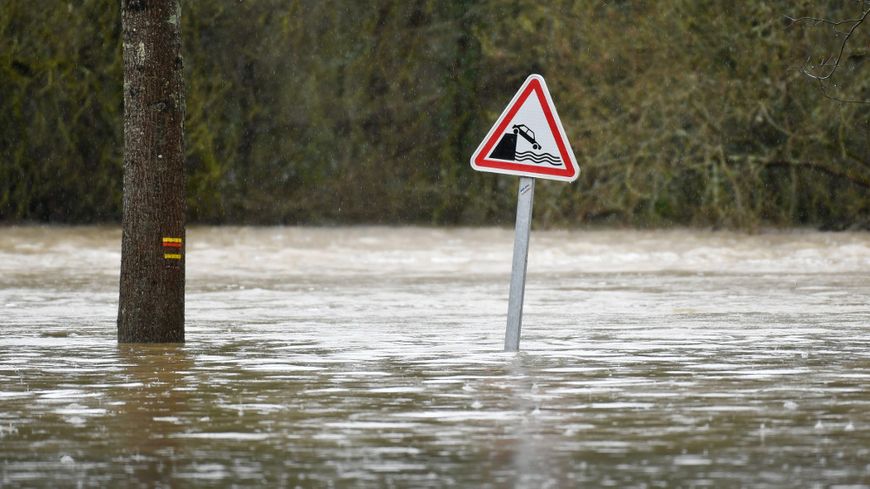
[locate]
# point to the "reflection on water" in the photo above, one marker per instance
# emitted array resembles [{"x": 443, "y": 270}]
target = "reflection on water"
[{"x": 369, "y": 357}]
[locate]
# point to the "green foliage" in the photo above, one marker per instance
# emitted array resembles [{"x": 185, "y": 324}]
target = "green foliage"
[
  {"x": 680, "y": 112},
  {"x": 60, "y": 112}
]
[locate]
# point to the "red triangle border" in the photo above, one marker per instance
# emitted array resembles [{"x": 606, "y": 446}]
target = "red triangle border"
[{"x": 533, "y": 85}]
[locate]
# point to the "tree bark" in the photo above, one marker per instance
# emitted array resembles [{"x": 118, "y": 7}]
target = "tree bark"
[{"x": 151, "y": 303}]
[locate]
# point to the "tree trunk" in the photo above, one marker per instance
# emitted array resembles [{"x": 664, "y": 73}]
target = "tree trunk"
[{"x": 151, "y": 305}]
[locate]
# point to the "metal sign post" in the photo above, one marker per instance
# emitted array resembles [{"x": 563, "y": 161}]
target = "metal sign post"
[
  {"x": 527, "y": 141},
  {"x": 525, "y": 199}
]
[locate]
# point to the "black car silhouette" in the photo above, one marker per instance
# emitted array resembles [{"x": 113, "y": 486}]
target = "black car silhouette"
[{"x": 527, "y": 134}]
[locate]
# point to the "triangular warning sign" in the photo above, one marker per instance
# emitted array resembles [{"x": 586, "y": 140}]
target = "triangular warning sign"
[{"x": 528, "y": 139}]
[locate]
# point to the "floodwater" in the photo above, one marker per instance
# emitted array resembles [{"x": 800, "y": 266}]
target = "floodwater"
[{"x": 371, "y": 357}]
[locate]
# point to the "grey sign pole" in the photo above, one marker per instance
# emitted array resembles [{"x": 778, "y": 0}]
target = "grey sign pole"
[
  {"x": 525, "y": 199},
  {"x": 530, "y": 108}
]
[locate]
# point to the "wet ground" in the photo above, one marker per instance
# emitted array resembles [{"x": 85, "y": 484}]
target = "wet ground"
[{"x": 370, "y": 357}]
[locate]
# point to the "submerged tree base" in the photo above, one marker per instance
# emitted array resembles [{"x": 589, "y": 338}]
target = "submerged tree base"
[{"x": 151, "y": 303}]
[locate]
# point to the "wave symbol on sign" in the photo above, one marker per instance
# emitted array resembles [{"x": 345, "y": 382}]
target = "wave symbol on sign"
[{"x": 538, "y": 158}]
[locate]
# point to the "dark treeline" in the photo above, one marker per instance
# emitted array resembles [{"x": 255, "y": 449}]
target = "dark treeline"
[{"x": 689, "y": 112}]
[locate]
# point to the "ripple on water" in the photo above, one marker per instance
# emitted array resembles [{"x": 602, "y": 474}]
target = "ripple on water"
[{"x": 369, "y": 357}]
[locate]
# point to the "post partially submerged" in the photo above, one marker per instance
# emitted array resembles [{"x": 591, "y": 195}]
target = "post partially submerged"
[
  {"x": 530, "y": 120},
  {"x": 151, "y": 303},
  {"x": 525, "y": 201}
]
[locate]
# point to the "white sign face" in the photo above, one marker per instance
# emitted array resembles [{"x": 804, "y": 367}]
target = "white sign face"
[{"x": 528, "y": 139}]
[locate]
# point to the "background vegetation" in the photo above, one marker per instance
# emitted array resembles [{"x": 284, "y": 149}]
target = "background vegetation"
[{"x": 689, "y": 112}]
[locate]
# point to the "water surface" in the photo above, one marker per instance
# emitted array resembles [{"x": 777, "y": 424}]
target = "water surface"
[{"x": 370, "y": 357}]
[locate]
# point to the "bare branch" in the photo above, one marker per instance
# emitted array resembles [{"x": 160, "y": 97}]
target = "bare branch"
[
  {"x": 855, "y": 24},
  {"x": 818, "y": 71},
  {"x": 819, "y": 20},
  {"x": 837, "y": 99},
  {"x": 844, "y": 174}
]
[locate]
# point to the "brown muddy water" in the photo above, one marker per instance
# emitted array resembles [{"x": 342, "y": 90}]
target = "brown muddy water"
[{"x": 370, "y": 357}]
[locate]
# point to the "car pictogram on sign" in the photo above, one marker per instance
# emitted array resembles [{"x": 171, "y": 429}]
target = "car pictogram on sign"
[{"x": 527, "y": 134}]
